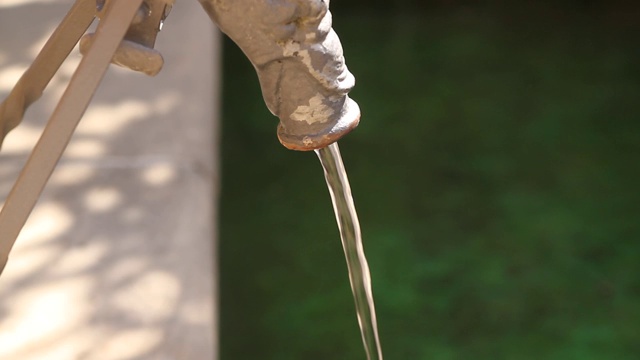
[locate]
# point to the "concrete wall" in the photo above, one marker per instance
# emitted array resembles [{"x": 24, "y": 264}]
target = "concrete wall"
[{"x": 116, "y": 261}]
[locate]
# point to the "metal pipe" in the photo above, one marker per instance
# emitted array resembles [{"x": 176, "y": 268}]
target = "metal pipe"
[{"x": 299, "y": 61}]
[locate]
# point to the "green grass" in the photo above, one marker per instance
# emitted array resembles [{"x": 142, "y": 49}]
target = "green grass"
[{"x": 495, "y": 172}]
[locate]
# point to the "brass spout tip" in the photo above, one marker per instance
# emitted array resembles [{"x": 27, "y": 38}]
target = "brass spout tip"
[{"x": 318, "y": 140}]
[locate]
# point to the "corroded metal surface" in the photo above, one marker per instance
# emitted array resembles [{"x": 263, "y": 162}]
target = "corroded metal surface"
[{"x": 299, "y": 61}]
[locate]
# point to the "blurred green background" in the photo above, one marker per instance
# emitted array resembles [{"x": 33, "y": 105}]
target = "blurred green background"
[{"x": 495, "y": 171}]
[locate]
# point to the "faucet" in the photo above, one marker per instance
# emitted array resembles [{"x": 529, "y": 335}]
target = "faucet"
[{"x": 299, "y": 61}]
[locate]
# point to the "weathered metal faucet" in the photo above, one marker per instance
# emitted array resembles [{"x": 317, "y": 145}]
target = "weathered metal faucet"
[{"x": 298, "y": 58}]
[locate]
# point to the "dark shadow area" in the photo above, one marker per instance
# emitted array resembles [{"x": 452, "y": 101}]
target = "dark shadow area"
[{"x": 494, "y": 171}]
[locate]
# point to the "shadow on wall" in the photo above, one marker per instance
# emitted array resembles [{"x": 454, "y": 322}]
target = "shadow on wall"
[{"x": 115, "y": 261}]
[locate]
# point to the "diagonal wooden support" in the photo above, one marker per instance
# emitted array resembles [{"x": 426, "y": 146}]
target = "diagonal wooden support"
[{"x": 63, "y": 122}]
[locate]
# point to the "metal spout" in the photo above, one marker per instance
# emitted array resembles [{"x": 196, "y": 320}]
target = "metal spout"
[{"x": 299, "y": 62}]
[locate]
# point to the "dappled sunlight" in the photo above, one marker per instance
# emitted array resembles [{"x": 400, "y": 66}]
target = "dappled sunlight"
[
  {"x": 85, "y": 149},
  {"x": 131, "y": 344},
  {"x": 71, "y": 174},
  {"x": 21, "y": 140},
  {"x": 61, "y": 347},
  {"x": 162, "y": 286},
  {"x": 159, "y": 174},
  {"x": 10, "y": 75},
  {"x": 42, "y": 311},
  {"x": 107, "y": 266},
  {"x": 102, "y": 199},
  {"x": 80, "y": 258},
  {"x": 109, "y": 119},
  {"x": 28, "y": 258},
  {"x": 47, "y": 221}
]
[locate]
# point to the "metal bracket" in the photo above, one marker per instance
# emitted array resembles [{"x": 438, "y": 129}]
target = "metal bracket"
[{"x": 136, "y": 51}]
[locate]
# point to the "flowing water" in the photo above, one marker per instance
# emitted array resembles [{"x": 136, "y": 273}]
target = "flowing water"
[{"x": 349, "y": 226}]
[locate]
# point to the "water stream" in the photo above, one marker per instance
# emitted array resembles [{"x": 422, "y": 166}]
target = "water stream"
[{"x": 349, "y": 226}]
